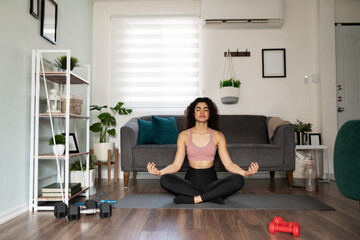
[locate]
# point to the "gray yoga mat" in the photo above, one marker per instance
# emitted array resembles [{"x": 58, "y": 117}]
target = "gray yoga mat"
[{"x": 237, "y": 201}]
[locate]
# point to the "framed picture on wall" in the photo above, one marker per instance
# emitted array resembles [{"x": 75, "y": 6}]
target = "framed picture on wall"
[
  {"x": 73, "y": 146},
  {"x": 49, "y": 20},
  {"x": 315, "y": 139},
  {"x": 34, "y": 8},
  {"x": 273, "y": 63}
]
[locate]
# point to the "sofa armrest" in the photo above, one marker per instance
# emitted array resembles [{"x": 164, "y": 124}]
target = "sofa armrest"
[
  {"x": 285, "y": 137},
  {"x": 129, "y": 134}
]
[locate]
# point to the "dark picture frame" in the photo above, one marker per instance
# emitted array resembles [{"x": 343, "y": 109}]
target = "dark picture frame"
[
  {"x": 34, "y": 8},
  {"x": 274, "y": 63},
  {"x": 73, "y": 145},
  {"x": 49, "y": 20},
  {"x": 315, "y": 139}
]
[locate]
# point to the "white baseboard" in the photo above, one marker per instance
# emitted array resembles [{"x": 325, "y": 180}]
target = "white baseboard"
[{"x": 13, "y": 213}]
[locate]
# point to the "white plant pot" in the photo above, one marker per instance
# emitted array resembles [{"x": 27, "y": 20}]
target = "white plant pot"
[
  {"x": 58, "y": 149},
  {"x": 101, "y": 151},
  {"x": 229, "y": 95},
  {"x": 81, "y": 177}
]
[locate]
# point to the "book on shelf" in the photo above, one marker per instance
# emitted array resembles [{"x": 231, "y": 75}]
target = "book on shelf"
[
  {"x": 55, "y": 187},
  {"x": 58, "y": 194}
]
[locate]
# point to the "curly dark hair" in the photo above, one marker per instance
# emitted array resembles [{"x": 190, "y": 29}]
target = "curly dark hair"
[{"x": 213, "y": 121}]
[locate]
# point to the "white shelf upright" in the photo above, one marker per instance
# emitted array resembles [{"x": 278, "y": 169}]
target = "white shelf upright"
[{"x": 64, "y": 80}]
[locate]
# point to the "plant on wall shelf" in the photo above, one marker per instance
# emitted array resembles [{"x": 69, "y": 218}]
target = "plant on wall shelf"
[
  {"x": 302, "y": 127},
  {"x": 107, "y": 120},
  {"x": 230, "y": 83},
  {"x": 75, "y": 166},
  {"x": 60, "y": 63}
]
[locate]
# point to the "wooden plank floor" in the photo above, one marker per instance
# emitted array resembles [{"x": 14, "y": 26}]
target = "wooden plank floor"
[{"x": 344, "y": 223}]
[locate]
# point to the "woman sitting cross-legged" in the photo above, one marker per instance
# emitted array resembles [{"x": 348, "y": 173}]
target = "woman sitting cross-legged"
[{"x": 200, "y": 142}]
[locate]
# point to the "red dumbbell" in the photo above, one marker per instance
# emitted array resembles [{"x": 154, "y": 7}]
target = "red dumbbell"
[{"x": 279, "y": 225}]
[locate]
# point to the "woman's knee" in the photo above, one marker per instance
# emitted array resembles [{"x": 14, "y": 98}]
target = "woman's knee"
[
  {"x": 166, "y": 180},
  {"x": 238, "y": 180}
]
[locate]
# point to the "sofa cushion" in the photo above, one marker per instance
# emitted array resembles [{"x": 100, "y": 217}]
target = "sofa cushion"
[
  {"x": 146, "y": 135},
  {"x": 165, "y": 130},
  {"x": 244, "y": 129}
]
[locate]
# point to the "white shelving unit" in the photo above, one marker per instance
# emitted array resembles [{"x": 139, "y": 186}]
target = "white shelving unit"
[{"x": 40, "y": 78}]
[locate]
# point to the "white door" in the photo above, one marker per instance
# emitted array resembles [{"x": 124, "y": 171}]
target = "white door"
[{"x": 347, "y": 73}]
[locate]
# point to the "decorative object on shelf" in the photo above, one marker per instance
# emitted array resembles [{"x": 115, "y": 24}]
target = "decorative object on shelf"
[
  {"x": 78, "y": 173},
  {"x": 59, "y": 145},
  {"x": 73, "y": 146},
  {"x": 273, "y": 63},
  {"x": 75, "y": 104},
  {"x": 34, "y": 8},
  {"x": 106, "y": 127},
  {"x": 315, "y": 139},
  {"x": 55, "y": 101},
  {"x": 60, "y": 63},
  {"x": 301, "y": 130},
  {"x": 49, "y": 20},
  {"x": 229, "y": 86}
]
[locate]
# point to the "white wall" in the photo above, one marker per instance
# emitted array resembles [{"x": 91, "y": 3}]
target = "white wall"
[{"x": 20, "y": 33}]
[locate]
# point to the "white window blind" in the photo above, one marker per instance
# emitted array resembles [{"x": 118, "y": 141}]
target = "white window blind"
[{"x": 155, "y": 61}]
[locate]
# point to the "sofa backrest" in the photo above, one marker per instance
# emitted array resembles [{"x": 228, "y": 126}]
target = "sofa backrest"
[
  {"x": 236, "y": 128},
  {"x": 244, "y": 128}
]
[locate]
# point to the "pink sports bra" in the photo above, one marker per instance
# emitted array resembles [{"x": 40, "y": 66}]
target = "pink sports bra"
[{"x": 205, "y": 153}]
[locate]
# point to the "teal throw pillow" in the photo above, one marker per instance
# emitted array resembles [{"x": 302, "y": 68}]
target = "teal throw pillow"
[
  {"x": 165, "y": 130},
  {"x": 146, "y": 135}
]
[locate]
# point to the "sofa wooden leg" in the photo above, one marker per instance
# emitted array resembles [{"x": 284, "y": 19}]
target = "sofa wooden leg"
[
  {"x": 126, "y": 179},
  {"x": 290, "y": 178},
  {"x": 272, "y": 175}
]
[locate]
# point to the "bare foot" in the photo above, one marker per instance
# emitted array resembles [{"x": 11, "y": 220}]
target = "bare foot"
[{"x": 197, "y": 199}]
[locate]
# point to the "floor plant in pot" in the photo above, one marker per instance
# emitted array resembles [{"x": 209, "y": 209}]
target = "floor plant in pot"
[
  {"x": 59, "y": 145},
  {"x": 105, "y": 127},
  {"x": 78, "y": 173}
]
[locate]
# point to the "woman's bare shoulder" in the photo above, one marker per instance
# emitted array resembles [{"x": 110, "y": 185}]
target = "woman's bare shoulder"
[{"x": 218, "y": 134}]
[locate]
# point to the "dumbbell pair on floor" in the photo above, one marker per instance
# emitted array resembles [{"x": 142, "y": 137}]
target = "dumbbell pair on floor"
[
  {"x": 279, "y": 225},
  {"x": 90, "y": 207}
]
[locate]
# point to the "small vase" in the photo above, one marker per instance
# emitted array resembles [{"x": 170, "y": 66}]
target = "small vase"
[{"x": 59, "y": 149}]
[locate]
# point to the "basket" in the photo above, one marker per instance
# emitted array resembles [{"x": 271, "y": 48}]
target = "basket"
[{"x": 75, "y": 105}]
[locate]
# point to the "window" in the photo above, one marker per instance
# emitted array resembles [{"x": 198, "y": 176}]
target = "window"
[{"x": 155, "y": 61}]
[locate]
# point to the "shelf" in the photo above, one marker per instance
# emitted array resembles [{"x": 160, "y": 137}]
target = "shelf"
[
  {"x": 62, "y": 115},
  {"x": 48, "y": 199},
  {"x": 52, "y": 156},
  {"x": 60, "y": 78}
]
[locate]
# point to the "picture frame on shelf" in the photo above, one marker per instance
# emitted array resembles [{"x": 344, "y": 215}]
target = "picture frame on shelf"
[
  {"x": 34, "y": 8},
  {"x": 49, "y": 20},
  {"x": 315, "y": 139},
  {"x": 274, "y": 63},
  {"x": 73, "y": 146}
]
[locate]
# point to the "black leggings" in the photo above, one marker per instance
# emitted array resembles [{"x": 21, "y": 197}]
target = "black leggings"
[{"x": 203, "y": 182}]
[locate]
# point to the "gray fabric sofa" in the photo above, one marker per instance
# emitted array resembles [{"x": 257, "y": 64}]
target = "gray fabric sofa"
[{"x": 247, "y": 141}]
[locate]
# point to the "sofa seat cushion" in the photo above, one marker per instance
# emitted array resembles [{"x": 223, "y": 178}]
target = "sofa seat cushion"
[{"x": 267, "y": 155}]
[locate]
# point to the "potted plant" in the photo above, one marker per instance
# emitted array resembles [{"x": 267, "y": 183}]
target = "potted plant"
[
  {"x": 229, "y": 90},
  {"x": 59, "y": 145},
  {"x": 78, "y": 173},
  {"x": 60, "y": 63},
  {"x": 106, "y": 127},
  {"x": 302, "y": 130}
]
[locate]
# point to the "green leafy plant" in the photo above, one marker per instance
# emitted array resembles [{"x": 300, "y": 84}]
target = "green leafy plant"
[
  {"x": 230, "y": 83},
  {"x": 302, "y": 127},
  {"x": 75, "y": 166},
  {"x": 107, "y": 120},
  {"x": 60, "y": 62},
  {"x": 59, "y": 139}
]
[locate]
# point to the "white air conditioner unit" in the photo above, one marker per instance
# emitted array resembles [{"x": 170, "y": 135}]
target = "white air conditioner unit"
[{"x": 243, "y": 13}]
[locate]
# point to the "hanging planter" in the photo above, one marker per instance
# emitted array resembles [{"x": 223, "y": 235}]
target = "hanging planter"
[{"x": 229, "y": 87}]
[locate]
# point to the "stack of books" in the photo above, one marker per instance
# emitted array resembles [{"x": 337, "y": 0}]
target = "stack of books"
[{"x": 54, "y": 190}]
